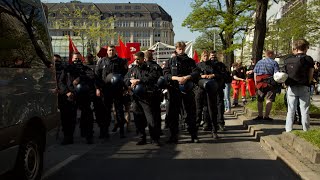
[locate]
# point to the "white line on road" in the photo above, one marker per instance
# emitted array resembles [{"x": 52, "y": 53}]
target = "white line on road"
[{"x": 59, "y": 166}]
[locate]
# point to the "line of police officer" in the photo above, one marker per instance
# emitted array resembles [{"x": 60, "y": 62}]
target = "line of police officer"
[{"x": 79, "y": 86}]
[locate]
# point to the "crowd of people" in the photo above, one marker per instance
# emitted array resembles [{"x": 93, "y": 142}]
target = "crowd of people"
[{"x": 198, "y": 95}]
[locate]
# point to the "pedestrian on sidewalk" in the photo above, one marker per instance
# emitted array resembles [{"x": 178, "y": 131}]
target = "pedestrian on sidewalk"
[
  {"x": 299, "y": 68},
  {"x": 250, "y": 80},
  {"x": 263, "y": 75}
]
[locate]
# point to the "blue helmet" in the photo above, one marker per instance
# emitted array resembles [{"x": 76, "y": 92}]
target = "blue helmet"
[
  {"x": 208, "y": 84},
  {"x": 82, "y": 89},
  {"x": 186, "y": 87},
  {"x": 116, "y": 80},
  {"x": 162, "y": 83},
  {"x": 139, "y": 90}
]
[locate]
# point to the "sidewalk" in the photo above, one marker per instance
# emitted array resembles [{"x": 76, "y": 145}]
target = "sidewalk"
[{"x": 270, "y": 133}]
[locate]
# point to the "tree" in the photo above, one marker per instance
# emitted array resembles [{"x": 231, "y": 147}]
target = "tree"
[
  {"x": 208, "y": 40},
  {"x": 301, "y": 21},
  {"x": 87, "y": 23},
  {"x": 260, "y": 28},
  {"x": 229, "y": 17}
]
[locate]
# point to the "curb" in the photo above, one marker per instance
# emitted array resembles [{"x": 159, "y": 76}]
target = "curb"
[{"x": 280, "y": 153}]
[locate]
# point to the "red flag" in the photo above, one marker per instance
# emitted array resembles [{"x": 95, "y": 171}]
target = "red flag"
[
  {"x": 103, "y": 52},
  {"x": 72, "y": 49},
  {"x": 122, "y": 50},
  {"x": 132, "y": 48},
  {"x": 196, "y": 57}
]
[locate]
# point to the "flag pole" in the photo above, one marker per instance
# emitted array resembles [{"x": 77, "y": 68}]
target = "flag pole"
[{"x": 158, "y": 53}]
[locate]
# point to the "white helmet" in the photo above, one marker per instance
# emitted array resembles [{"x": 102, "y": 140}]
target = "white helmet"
[{"x": 280, "y": 77}]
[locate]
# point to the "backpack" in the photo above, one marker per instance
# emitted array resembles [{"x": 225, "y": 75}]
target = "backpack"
[{"x": 297, "y": 70}]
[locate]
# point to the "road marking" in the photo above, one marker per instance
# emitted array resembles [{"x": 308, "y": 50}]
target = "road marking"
[{"x": 59, "y": 166}]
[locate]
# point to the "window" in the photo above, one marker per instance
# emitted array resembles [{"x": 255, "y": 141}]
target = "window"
[
  {"x": 65, "y": 33},
  {"x": 155, "y": 7},
  {"x": 157, "y": 24},
  {"x": 118, "y": 7},
  {"x": 127, "y": 7},
  {"x": 157, "y": 34},
  {"x": 137, "y": 7}
]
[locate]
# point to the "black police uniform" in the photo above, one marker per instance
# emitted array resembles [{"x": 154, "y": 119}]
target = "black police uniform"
[
  {"x": 111, "y": 94},
  {"x": 59, "y": 65},
  {"x": 83, "y": 91},
  {"x": 206, "y": 96},
  {"x": 222, "y": 68},
  {"x": 143, "y": 108},
  {"x": 181, "y": 65},
  {"x": 158, "y": 96}
]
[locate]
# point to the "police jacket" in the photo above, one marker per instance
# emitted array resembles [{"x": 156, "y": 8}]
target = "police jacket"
[
  {"x": 108, "y": 65},
  {"x": 147, "y": 75},
  {"x": 59, "y": 65},
  {"x": 207, "y": 67},
  {"x": 181, "y": 65},
  {"x": 155, "y": 67},
  {"x": 72, "y": 72},
  {"x": 222, "y": 68}
]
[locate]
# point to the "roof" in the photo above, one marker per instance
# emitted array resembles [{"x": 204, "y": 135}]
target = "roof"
[{"x": 121, "y": 10}]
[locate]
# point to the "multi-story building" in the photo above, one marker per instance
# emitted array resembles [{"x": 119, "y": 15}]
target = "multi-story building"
[{"x": 146, "y": 23}]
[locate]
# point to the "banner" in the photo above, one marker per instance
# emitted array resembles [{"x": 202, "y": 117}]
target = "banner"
[{"x": 132, "y": 48}]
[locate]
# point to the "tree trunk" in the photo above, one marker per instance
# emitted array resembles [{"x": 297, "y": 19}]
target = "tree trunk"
[{"x": 260, "y": 29}]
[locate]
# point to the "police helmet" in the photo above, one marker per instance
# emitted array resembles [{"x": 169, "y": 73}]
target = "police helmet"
[
  {"x": 162, "y": 83},
  {"x": 280, "y": 77},
  {"x": 82, "y": 89},
  {"x": 116, "y": 80},
  {"x": 208, "y": 84},
  {"x": 139, "y": 90},
  {"x": 186, "y": 87}
]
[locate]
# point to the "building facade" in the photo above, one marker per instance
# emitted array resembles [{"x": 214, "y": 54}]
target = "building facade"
[{"x": 146, "y": 23}]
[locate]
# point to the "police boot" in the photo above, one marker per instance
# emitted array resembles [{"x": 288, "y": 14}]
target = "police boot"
[
  {"x": 104, "y": 133},
  {"x": 142, "y": 141},
  {"x": 194, "y": 138},
  {"x": 67, "y": 140},
  {"x": 89, "y": 140},
  {"x": 122, "y": 132},
  {"x": 173, "y": 139},
  {"x": 214, "y": 135}
]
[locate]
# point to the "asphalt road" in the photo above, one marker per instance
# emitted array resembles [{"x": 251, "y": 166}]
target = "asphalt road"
[{"x": 237, "y": 155}]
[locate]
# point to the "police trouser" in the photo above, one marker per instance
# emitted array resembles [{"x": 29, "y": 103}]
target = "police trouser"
[
  {"x": 100, "y": 112},
  {"x": 145, "y": 115},
  {"x": 68, "y": 112},
  {"x": 176, "y": 100},
  {"x": 220, "y": 104},
  {"x": 115, "y": 98},
  {"x": 86, "y": 119},
  {"x": 155, "y": 103},
  {"x": 207, "y": 105}
]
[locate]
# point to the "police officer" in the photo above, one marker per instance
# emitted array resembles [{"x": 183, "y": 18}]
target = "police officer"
[
  {"x": 110, "y": 71},
  {"x": 59, "y": 65},
  {"x": 220, "y": 98},
  {"x": 206, "y": 94},
  {"x": 180, "y": 72},
  {"x": 77, "y": 86},
  {"x": 142, "y": 79},
  {"x": 158, "y": 96}
]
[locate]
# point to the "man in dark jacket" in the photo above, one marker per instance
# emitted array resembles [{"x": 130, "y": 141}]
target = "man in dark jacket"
[
  {"x": 110, "y": 72},
  {"x": 77, "y": 87},
  {"x": 206, "y": 94},
  {"x": 181, "y": 71},
  {"x": 141, "y": 79}
]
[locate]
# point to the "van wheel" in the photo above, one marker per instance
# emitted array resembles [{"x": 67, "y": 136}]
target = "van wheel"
[{"x": 30, "y": 159}]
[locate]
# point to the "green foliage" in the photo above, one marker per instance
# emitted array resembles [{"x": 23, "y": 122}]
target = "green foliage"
[
  {"x": 311, "y": 136},
  {"x": 206, "y": 41},
  {"x": 229, "y": 18},
  {"x": 302, "y": 21},
  {"x": 86, "y": 23}
]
